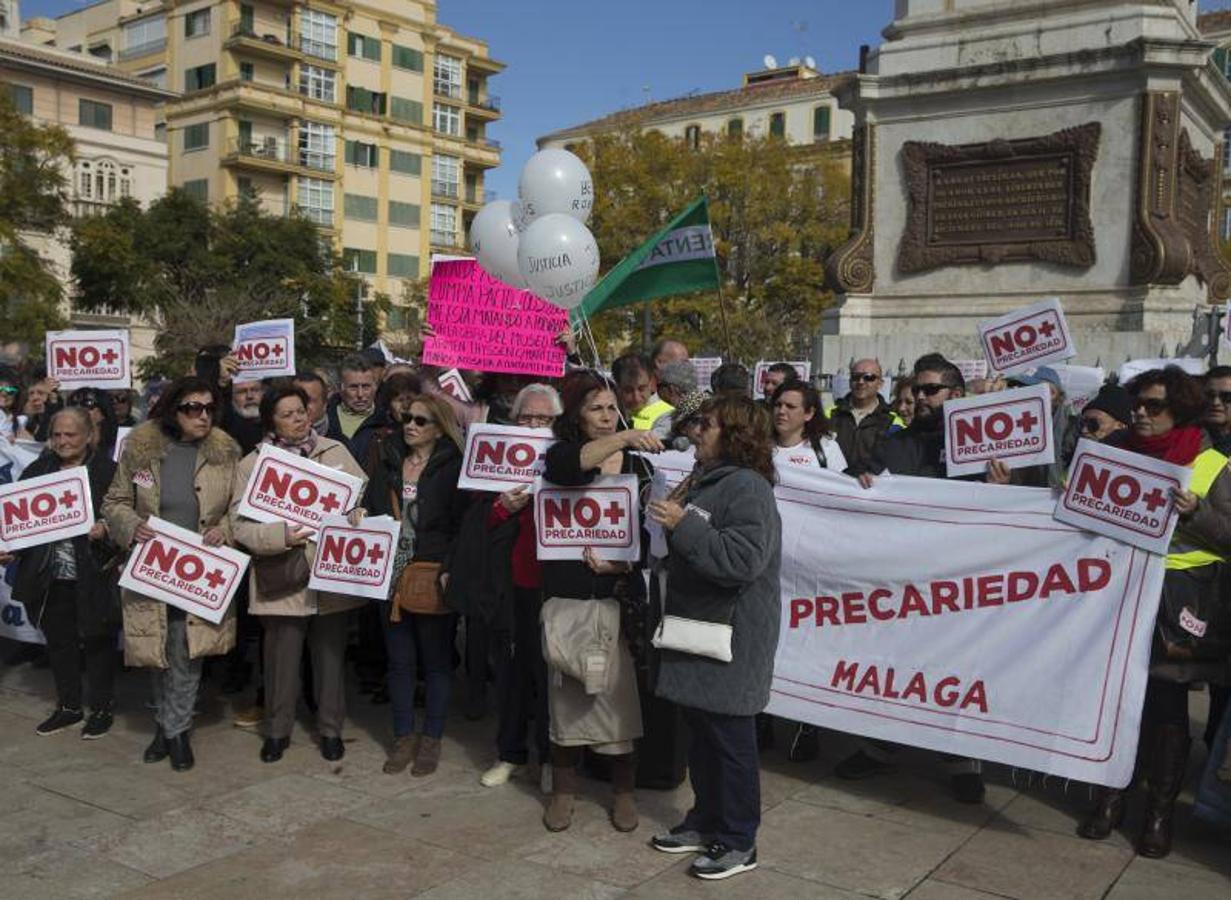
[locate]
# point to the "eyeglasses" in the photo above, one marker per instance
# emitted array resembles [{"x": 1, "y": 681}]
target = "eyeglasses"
[
  {"x": 535, "y": 421},
  {"x": 1152, "y": 405},
  {"x": 865, "y": 377},
  {"x": 421, "y": 421},
  {"x": 1223, "y": 396},
  {"x": 195, "y": 409},
  {"x": 87, "y": 403},
  {"x": 1090, "y": 425},
  {"x": 929, "y": 390}
]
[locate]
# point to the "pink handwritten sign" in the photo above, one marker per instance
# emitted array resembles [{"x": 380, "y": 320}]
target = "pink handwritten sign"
[{"x": 485, "y": 324}]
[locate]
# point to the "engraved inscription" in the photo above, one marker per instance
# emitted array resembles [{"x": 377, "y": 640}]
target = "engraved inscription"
[{"x": 1022, "y": 200}]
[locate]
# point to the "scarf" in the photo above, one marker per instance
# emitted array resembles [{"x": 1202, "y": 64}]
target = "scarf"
[
  {"x": 1179, "y": 446},
  {"x": 304, "y": 448}
]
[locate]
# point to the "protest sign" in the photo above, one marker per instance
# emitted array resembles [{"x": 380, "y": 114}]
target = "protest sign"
[
  {"x": 97, "y": 359},
  {"x": 1003, "y": 635},
  {"x": 175, "y": 567},
  {"x": 15, "y": 624},
  {"x": 1012, "y": 426},
  {"x": 705, "y": 366},
  {"x": 971, "y": 368},
  {"x": 1027, "y": 337},
  {"x": 1135, "y": 367},
  {"x": 1226, "y": 323},
  {"x": 1124, "y": 495},
  {"x": 670, "y": 467},
  {"x": 1080, "y": 383},
  {"x": 265, "y": 349},
  {"x": 357, "y": 561},
  {"x": 453, "y": 384},
  {"x": 603, "y": 515},
  {"x": 285, "y": 487},
  {"x": 482, "y": 323},
  {"x": 803, "y": 369},
  {"x": 45, "y": 509},
  {"x": 502, "y": 457},
  {"x": 121, "y": 436}
]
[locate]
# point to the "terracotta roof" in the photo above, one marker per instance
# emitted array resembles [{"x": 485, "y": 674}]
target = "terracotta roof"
[
  {"x": 1214, "y": 21},
  {"x": 703, "y": 104},
  {"x": 76, "y": 63}
]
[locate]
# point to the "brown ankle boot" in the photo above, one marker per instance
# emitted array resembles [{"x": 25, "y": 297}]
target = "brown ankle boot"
[
  {"x": 623, "y": 778},
  {"x": 427, "y": 757},
  {"x": 1106, "y": 816},
  {"x": 400, "y": 754},
  {"x": 1165, "y": 781},
  {"x": 559, "y": 813}
]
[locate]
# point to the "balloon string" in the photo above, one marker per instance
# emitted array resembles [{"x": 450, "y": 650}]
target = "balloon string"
[{"x": 588, "y": 333}]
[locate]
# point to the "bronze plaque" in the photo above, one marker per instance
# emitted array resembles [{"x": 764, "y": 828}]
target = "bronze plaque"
[{"x": 1002, "y": 201}]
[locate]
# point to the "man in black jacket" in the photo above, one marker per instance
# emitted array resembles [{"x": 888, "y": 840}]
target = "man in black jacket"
[
  {"x": 862, "y": 418},
  {"x": 353, "y": 416}
]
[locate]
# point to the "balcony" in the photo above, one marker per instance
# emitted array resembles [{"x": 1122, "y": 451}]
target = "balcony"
[
  {"x": 274, "y": 154},
  {"x": 86, "y": 209},
  {"x": 268, "y": 44},
  {"x": 146, "y": 49},
  {"x": 445, "y": 189},
  {"x": 488, "y": 106},
  {"x": 476, "y": 196},
  {"x": 444, "y": 88}
]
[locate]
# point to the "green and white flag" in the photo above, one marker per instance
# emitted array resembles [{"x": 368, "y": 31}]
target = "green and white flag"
[{"x": 679, "y": 259}]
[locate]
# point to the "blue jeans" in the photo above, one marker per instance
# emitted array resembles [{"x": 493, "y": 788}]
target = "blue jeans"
[{"x": 419, "y": 640}]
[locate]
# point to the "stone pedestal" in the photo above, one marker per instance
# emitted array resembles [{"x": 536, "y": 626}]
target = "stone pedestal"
[{"x": 1012, "y": 150}]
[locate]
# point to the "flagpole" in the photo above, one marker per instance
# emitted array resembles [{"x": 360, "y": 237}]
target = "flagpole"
[{"x": 726, "y": 327}]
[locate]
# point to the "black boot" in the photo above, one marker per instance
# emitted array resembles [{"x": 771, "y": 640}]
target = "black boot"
[
  {"x": 181, "y": 752},
  {"x": 1106, "y": 816},
  {"x": 157, "y": 750},
  {"x": 273, "y": 748},
  {"x": 1165, "y": 780}
]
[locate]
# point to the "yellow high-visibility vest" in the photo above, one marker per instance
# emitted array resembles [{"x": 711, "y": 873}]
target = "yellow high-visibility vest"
[
  {"x": 643, "y": 420},
  {"x": 1206, "y": 467}
]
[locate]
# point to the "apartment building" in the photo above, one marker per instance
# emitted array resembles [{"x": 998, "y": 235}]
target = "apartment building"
[
  {"x": 111, "y": 118},
  {"x": 370, "y": 118}
]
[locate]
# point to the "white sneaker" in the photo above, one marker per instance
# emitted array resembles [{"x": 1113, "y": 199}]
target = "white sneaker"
[
  {"x": 545, "y": 778},
  {"x": 498, "y": 774}
]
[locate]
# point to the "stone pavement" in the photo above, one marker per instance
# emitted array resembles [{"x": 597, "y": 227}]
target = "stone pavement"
[{"x": 89, "y": 819}]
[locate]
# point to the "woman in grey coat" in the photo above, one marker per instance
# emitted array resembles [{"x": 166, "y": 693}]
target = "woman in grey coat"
[{"x": 719, "y": 629}]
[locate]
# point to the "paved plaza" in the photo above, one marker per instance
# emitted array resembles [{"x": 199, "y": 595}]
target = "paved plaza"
[{"x": 89, "y": 819}]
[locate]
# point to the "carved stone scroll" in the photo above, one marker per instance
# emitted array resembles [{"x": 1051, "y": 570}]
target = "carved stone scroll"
[{"x": 851, "y": 269}]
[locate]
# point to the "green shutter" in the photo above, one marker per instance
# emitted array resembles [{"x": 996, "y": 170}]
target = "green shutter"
[
  {"x": 402, "y": 265},
  {"x": 348, "y": 153},
  {"x": 22, "y": 97},
  {"x": 357, "y": 206},
  {"x": 198, "y": 189},
  {"x": 1220, "y": 60},
  {"x": 406, "y": 110},
  {"x": 777, "y": 125},
  {"x": 360, "y": 260},
  {"x": 407, "y": 58},
  {"x": 820, "y": 122},
  {"x": 352, "y": 43},
  {"x": 197, "y": 136},
  {"x": 362, "y": 45},
  {"x": 406, "y": 163},
  {"x": 403, "y": 215}
]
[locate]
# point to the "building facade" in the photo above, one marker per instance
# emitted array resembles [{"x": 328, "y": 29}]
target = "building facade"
[
  {"x": 1216, "y": 28},
  {"x": 111, "y": 118},
  {"x": 369, "y": 118}
]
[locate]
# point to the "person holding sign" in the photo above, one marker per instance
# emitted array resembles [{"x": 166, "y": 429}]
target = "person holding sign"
[
  {"x": 178, "y": 466},
  {"x": 291, "y": 613},
  {"x": 585, "y": 591},
  {"x": 69, "y": 587},
  {"x": 415, "y": 481},
  {"x": 1191, "y": 641}
]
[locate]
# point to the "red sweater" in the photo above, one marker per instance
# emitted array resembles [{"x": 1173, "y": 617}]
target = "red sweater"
[{"x": 525, "y": 564}]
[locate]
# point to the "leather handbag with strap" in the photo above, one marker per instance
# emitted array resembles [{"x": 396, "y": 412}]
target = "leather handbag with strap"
[
  {"x": 277, "y": 576},
  {"x": 418, "y": 591}
]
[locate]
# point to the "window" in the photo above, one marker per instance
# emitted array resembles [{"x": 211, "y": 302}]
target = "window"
[
  {"x": 199, "y": 78},
  {"x": 317, "y": 149},
  {"x": 102, "y": 181},
  {"x": 692, "y": 136},
  {"x": 402, "y": 265},
  {"x": 407, "y": 58},
  {"x": 196, "y": 136},
  {"x": 357, "y": 260},
  {"x": 246, "y": 71},
  {"x": 357, "y": 206},
  {"x": 397, "y": 319},
  {"x": 156, "y": 76},
  {"x": 318, "y": 34},
  {"x": 444, "y": 225},
  {"x": 92, "y": 114},
  {"x": 446, "y": 176},
  {"x": 403, "y": 215},
  {"x": 196, "y": 23},
  {"x": 247, "y": 19},
  {"x": 160, "y": 131},
  {"x": 820, "y": 123},
  {"x": 447, "y": 119},
  {"x": 101, "y": 51},
  {"x": 777, "y": 125},
  {"x": 406, "y": 163},
  {"x": 146, "y": 36},
  {"x": 365, "y": 101},
  {"x": 406, "y": 110},
  {"x": 22, "y": 97},
  {"x": 735, "y": 128},
  {"x": 447, "y": 76},
  {"x": 316, "y": 200},
  {"x": 361, "y": 45},
  {"x": 361, "y": 154},
  {"x": 317, "y": 83},
  {"x": 246, "y": 188},
  {"x": 198, "y": 188}
]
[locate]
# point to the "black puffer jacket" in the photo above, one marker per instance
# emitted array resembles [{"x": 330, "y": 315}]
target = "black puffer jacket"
[
  {"x": 441, "y": 504},
  {"x": 860, "y": 440}
]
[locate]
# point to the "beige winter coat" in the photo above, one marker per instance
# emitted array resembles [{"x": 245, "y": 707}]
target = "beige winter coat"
[
  {"x": 269, "y": 539},
  {"x": 129, "y": 503}
]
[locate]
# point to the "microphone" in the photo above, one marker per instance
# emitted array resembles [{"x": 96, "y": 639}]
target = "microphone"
[{"x": 681, "y": 443}]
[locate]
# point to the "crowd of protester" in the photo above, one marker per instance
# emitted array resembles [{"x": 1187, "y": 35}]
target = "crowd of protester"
[{"x": 577, "y": 685}]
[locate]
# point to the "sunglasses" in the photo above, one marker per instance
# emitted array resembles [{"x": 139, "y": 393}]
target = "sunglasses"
[
  {"x": 1089, "y": 425},
  {"x": 421, "y": 421},
  {"x": 87, "y": 403},
  {"x": 195, "y": 409},
  {"x": 9, "y": 389},
  {"x": 929, "y": 390},
  {"x": 1152, "y": 405},
  {"x": 1223, "y": 396},
  {"x": 865, "y": 377}
]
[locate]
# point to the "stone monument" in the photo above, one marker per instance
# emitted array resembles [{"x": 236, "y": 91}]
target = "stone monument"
[{"x": 1006, "y": 151}]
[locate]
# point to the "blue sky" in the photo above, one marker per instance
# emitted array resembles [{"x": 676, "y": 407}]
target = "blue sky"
[{"x": 573, "y": 60}]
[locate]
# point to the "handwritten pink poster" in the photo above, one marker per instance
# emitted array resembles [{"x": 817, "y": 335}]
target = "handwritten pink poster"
[{"x": 485, "y": 324}]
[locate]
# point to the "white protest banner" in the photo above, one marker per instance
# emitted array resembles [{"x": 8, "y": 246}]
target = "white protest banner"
[
  {"x": 89, "y": 359},
  {"x": 285, "y": 487},
  {"x": 453, "y": 384},
  {"x": 1122, "y": 494},
  {"x": 1027, "y": 337},
  {"x": 14, "y": 623},
  {"x": 803, "y": 370},
  {"x": 502, "y": 457},
  {"x": 971, "y": 368},
  {"x": 603, "y": 515},
  {"x": 1135, "y": 367},
  {"x": 705, "y": 366},
  {"x": 1003, "y": 635},
  {"x": 357, "y": 561},
  {"x": 1012, "y": 426},
  {"x": 265, "y": 349},
  {"x": 121, "y": 436},
  {"x": 45, "y": 509},
  {"x": 175, "y": 567}
]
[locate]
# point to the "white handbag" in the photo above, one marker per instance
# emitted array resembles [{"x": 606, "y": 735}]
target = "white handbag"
[{"x": 694, "y": 636}]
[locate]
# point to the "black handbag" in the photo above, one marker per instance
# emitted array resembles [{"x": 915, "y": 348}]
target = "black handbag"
[
  {"x": 277, "y": 576},
  {"x": 1194, "y": 619}
]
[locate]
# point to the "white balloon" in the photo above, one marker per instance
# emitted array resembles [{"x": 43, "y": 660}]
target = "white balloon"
[
  {"x": 556, "y": 181},
  {"x": 559, "y": 259},
  {"x": 494, "y": 236}
]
